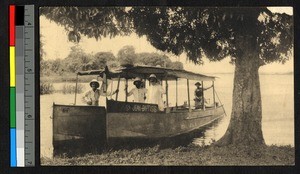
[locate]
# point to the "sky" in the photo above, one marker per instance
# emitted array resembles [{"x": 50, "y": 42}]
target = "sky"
[{"x": 56, "y": 45}]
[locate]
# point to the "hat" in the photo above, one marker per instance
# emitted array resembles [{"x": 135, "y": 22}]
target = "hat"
[
  {"x": 95, "y": 81},
  {"x": 137, "y": 79},
  {"x": 152, "y": 76},
  {"x": 198, "y": 84}
]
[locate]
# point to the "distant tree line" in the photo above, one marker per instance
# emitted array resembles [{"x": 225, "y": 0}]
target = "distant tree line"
[{"x": 78, "y": 60}]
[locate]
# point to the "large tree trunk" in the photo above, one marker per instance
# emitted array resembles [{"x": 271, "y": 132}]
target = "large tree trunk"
[{"x": 245, "y": 126}]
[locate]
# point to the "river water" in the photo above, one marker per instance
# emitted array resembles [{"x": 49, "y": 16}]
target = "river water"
[{"x": 277, "y": 108}]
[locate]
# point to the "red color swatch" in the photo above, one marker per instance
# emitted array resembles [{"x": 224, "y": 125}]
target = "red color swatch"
[{"x": 12, "y": 12}]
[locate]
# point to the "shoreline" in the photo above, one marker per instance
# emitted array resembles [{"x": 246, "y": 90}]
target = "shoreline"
[{"x": 190, "y": 155}]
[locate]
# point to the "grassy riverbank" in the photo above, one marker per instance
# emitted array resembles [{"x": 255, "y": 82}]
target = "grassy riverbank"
[
  {"x": 66, "y": 78},
  {"x": 187, "y": 156}
]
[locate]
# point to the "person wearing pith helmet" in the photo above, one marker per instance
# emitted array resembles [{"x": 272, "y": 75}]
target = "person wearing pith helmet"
[
  {"x": 152, "y": 78},
  {"x": 138, "y": 92},
  {"x": 199, "y": 95},
  {"x": 197, "y": 84},
  {"x": 92, "y": 96},
  {"x": 155, "y": 92},
  {"x": 94, "y": 84}
]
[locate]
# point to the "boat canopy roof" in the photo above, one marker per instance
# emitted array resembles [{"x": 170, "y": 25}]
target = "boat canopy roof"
[{"x": 145, "y": 71}]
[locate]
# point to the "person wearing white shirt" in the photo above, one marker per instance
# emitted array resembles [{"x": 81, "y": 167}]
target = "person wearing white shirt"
[
  {"x": 92, "y": 96},
  {"x": 139, "y": 93},
  {"x": 155, "y": 92}
]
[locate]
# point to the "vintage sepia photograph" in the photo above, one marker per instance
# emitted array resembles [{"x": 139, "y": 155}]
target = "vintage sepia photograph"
[{"x": 167, "y": 86}]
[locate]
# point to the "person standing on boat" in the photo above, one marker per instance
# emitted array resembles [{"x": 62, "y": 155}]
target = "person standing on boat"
[
  {"x": 155, "y": 92},
  {"x": 92, "y": 96},
  {"x": 199, "y": 96},
  {"x": 139, "y": 92}
]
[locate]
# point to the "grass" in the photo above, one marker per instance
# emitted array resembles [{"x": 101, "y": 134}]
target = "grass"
[
  {"x": 46, "y": 88},
  {"x": 70, "y": 89},
  {"x": 184, "y": 156},
  {"x": 66, "y": 78}
]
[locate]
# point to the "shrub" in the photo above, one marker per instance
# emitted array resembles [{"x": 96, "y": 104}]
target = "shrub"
[
  {"x": 46, "y": 88},
  {"x": 70, "y": 89}
]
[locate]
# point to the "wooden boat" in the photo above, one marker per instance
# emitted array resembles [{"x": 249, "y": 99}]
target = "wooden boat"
[{"x": 124, "y": 119}]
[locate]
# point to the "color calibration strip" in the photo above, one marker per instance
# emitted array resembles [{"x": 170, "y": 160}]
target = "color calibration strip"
[
  {"x": 21, "y": 46},
  {"x": 12, "y": 62}
]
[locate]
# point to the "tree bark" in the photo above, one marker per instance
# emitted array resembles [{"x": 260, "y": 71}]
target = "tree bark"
[{"x": 245, "y": 126}]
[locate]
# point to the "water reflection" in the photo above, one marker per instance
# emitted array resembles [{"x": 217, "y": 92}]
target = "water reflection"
[{"x": 212, "y": 132}]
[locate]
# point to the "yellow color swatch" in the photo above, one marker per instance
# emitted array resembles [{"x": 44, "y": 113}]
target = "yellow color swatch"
[{"x": 12, "y": 62}]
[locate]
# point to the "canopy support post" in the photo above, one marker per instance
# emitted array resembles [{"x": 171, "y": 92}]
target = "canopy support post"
[
  {"x": 176, "y": 93},
  {"x": 221, "y": 103},
  {"x": 126, "y": 90},
  {"x": 203, "y": 100},
  {"x": 167, "y": 95},
  {"x": 213, "y": 85},
  {"x": 118, "y": 85},
  {"x": 144, "y": 86},
  {"x": 145, "y": 81},
  {"x": 104, "y": 87},
  {"x": 188, "y": 90},
  {"x": 76, "y": 89},
  {"x": 111, "y": 88},
  {"x": 105, "y": 84}
]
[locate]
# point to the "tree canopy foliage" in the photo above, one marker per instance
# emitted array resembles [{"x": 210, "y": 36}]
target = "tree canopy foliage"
[
  {"x": 155, "y": 59},
  {"x": 93, "y": 22},
  {"x": 101, "y": 59},
  {"x": 79, "y": 60},
  {"x": 198, "y": 31},
  {"x": 215, "y": 32},
  {"x": 126, "y": 55}
]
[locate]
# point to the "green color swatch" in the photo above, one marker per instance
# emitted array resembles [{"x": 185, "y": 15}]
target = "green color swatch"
[{"x": 12, "y": 107}]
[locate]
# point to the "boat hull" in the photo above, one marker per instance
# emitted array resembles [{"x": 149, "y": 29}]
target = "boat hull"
[
  {"x": 94, "y": 125},
  {"x": 78, "y": 123},
  {"x": 159, "y": 125}
]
